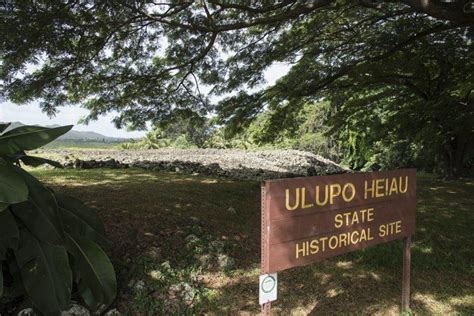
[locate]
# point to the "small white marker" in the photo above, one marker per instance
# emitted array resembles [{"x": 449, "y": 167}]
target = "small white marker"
[{"x": 268, "y": 286}]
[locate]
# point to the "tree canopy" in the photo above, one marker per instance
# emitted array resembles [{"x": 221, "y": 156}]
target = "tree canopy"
[{"x": 155, "y": 61}]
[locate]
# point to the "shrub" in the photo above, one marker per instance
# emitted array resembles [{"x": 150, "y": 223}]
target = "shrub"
[
  {"x": 394, "y": 155},
  {"x": 49, "y": 242}
]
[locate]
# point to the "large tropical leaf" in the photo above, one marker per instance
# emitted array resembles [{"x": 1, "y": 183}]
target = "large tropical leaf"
[
  {"x": 9, "y": 234},
  {"x": 95, "y": 270},
  {"x": 38, "y": 161},
  {"x": 79, "y": 220},
  {"x": 4, "y": 126},
  {"x": 3, "y": 206},
  {"x": 29, "y": 137},
  {"x": 13, "y": 188},
  {"x": 15, "y": 288},
  {"x": 41, "y": 210},
  {"x": 42, "y": 226},
  {"x": 38, "y": 193},
  {"x": 45, "y": 273},
  {"x": 86, "y": 294}
]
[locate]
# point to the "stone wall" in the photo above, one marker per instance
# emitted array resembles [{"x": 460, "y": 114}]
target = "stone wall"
[{"x": 235, "y": 164}]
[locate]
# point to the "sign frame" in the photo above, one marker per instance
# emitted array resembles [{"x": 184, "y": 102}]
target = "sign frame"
[{"x": 299, "y": 219}]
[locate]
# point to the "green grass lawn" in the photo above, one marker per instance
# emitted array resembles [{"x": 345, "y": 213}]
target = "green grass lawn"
[{"x": 174, "y": 236}]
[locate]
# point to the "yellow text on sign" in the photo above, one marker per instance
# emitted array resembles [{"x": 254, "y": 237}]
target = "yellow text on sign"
[
  {"x": 320, "y": 196},
  {"x": 332, "y": 242}
]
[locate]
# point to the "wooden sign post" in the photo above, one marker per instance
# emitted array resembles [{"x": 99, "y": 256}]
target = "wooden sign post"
[{"x": 305, "y": 220}]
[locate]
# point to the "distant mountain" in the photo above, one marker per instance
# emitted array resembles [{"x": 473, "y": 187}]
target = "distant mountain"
[{"x": 74, "y": 135}]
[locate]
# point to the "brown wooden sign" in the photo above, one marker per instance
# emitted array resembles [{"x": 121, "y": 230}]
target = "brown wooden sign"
[{"x": 305, "y": 220}]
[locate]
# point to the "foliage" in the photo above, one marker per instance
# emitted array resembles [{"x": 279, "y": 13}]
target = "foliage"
[
  {"x": 48, "y": 241},
  {"x": 181, "y": 133},
  {"x": 312, "y": 132},
  {"x": 391, "y": 61},
  {"x": 418, "y": 96},
  {"x": 308, "y": 132},
  {"x": 146, "y": 61},
  {"x": 395, "y": 155}
]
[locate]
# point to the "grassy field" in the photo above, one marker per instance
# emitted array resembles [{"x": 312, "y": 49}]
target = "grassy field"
[
  {"x": 83, "y": 144},
  {"x": 191, "y": 244}
]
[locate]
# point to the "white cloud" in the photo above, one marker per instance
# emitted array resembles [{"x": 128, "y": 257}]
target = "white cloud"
[{"x": 275, "y": 72}]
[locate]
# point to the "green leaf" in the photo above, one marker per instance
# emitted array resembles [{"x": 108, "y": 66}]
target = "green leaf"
[
  {"x": 13, "y": 188},
  {"x": 42, "y": 226},
  {"x": 38, "y": 161},
  {"x": 29, "y": 137},
  {"x": 16, "y": 288},
  {"x": 3, "y": 206},
  {"x": 38, "y": 193},
  {"x": 45, "y": 273},
  {"x": 95, "y": 269},
  {"x": 86, "y": 293},
  {"x": 41, "y": 211},
  {"x": 9, "y": 234},
  {"x": 4, "y": 126},
  {"x": 80, "y": 221}
]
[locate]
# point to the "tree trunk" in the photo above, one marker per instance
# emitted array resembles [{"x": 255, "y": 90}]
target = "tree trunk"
[
  {"x": 455, "y": 152},
  {"x": 461, "y": 146},
  {"x": 448, "y": 169}
]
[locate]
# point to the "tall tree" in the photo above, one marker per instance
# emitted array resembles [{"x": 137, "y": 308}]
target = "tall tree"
[
  {"x": 420, "y": 91},
  {"x": 148, "y": 60},
  {"x": 422, "y": 95}
]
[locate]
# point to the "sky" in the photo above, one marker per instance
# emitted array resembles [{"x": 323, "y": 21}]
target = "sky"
[{"x": 32, "y": 114}]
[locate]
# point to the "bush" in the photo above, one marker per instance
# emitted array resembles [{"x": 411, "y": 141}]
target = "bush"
[
  {"x": 48, "y": 241},
  {"x": 395, "y": 155}
]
